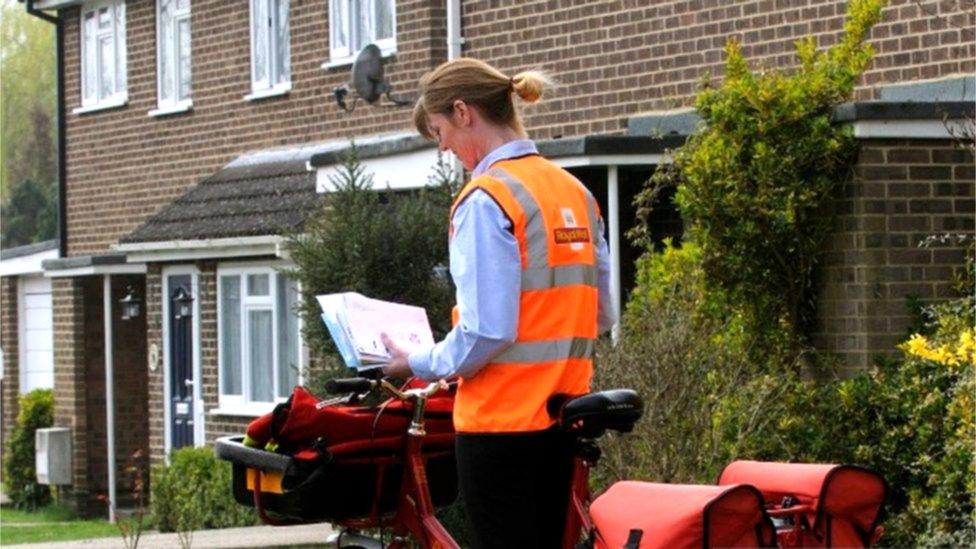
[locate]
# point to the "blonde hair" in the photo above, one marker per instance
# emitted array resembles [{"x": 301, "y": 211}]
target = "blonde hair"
[{"x": 479, "y": 84}]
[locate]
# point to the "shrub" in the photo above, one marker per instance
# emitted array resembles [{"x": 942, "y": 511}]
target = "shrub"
[
  {"x": 679, "y": 351},
  {"x": 193, "y": 492},
  {"x": 19, "y": 475},
  {"x": 756, "y": 182},
  {"x": 910, "y": 419}
]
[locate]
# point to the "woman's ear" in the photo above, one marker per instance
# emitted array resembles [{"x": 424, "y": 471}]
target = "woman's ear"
[{"x": 461, "y": 114}]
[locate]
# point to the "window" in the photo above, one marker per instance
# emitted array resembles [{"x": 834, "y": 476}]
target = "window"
[
  {"x": 355, "y": 23},
  {"x": 174, "y": 77},
  {"x": 270, "y": 45},
  {"x": 259, "y": 344},
  {"x": 103, "y": 74}
]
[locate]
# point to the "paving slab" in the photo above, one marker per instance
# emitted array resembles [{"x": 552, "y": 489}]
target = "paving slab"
[{"x": 226, "y": 538}]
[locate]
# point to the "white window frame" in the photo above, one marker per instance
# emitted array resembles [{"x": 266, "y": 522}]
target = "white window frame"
[
  {"x": 119, "y": 95},
  {"x": 176, "y": 104},
  {"x": 346, "y": 55},
  {"x": 240, "y": 405},
  {"x": 274, "y": 84}
]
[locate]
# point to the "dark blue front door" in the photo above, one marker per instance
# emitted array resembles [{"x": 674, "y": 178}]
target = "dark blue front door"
[{"x": 181, "y": 360}]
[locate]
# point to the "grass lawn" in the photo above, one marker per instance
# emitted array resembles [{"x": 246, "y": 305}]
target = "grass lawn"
[{"x": 51, "y": 523}]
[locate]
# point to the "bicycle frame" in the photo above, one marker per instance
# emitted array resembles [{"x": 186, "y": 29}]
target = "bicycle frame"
[
  {"x": 415, "y": 511},
  {"x": 415, "y": 515},
  {"x": 577, "y": 516}
]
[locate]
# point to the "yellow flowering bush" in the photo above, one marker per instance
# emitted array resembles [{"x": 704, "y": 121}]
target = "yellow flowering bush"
[{"x": 961, "y": 351}]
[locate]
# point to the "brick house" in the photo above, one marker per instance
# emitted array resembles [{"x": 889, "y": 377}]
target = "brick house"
[{"x": 196, "y": 133}]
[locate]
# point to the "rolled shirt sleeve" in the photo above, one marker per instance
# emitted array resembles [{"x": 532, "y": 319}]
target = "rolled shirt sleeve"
[{"x": 486, "y": 269}]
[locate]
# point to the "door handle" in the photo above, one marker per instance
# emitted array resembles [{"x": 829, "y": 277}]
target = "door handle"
[{"x": 188, "y": 382}]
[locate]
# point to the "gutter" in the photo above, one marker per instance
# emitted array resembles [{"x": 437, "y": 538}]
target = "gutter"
[
  {"x": 184, "y": 250},
  {"x": 62, "y": 235}
]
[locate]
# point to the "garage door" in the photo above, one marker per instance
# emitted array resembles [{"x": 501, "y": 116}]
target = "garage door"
[{"x": 36, "y": 334}]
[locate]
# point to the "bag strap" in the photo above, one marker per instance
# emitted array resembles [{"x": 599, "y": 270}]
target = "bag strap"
[
  {"x": 325, "y": 458},
  {"x": 634, "y": 539}
]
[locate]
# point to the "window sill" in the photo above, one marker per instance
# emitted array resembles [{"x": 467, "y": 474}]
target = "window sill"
[
  {"x": 277, "y": 91},
  {"x": 349, "y": 61},
  {"x": 250, "y": 409},
  {"x": 113, "y": 103},
  {"x": 185, "y": 106}
]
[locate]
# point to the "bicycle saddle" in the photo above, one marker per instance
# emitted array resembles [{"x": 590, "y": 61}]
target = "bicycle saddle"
[{"x": 589, "y": 416}]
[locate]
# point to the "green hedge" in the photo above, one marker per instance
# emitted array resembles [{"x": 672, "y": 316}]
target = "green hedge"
[
  {"x": 19, "y": 475},
  {"x": 193, "y": 492},
  {"x": 755, "y": 183}
]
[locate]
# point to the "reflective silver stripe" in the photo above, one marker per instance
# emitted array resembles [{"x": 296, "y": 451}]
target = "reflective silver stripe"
[
  {"x": 556, "y": 277},
  {"x": 546, "y": 351},
  {"x": 537, "y": 247}
]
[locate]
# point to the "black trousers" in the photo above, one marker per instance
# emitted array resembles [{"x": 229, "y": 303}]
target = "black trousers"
[{"x": 515, "y": 487}]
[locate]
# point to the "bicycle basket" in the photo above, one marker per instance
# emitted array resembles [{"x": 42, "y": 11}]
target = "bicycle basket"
[{"x": 338, "y": 462}]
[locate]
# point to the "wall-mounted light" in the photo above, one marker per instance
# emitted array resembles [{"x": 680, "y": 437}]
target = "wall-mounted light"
[
  {"x": 131, "y": 304},
  {"x": 184, "y": 303}
]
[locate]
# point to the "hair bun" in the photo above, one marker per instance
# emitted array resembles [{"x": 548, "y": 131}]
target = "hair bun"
[{"x": 529, "y": 85}]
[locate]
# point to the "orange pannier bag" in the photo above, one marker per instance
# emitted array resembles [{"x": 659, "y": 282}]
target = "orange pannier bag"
[
  {"x": 816, "y": 505},
  {"x": 646, "y": 515}
]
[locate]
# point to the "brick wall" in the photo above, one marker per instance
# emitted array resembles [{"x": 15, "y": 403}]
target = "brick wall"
[
  {"x": 70, "y": 355},
  {"x": 156, "y": 387},
  {"x": 131, "y": 387},
  {"x": 905, "y": 191},
  {"x": 96, "y": 433},
  {"x": 123, "y": 165},
  {"x": 616, "y": 59},
  {"x": 613, "y": 59},
  {"x": 10, "y": 384}
]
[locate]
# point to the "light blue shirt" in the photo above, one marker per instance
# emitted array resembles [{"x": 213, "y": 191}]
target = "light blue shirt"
[{"x": 486, "y": 269}]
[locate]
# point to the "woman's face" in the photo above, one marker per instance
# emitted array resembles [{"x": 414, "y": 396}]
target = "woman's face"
[{"x": 457, "y": 138}]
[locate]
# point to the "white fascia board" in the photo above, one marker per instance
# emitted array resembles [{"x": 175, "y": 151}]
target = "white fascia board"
[
  {"x": 56, "y": 4},
  {"x": 26, "y": 264},
  {"x": 125, "y": 268},
  {"x": 611, "y": 160},
  {"x": 179, "y": 250},
  {"x": 919, "y": 129},
  {"x": 409, "y": 170}
]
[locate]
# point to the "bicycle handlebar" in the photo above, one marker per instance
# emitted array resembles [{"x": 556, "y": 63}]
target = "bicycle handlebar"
[
  {"x": 363, "y": 385},
  {"x": 349, "y": 385}
]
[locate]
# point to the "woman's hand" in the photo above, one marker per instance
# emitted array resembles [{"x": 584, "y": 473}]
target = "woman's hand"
[{"x": 398, "y": 366}]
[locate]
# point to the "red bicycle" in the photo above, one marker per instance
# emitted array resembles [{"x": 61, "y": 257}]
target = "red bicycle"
[
  {"x": 394, "y": 475},
  {"x": 406, "y": 483}
]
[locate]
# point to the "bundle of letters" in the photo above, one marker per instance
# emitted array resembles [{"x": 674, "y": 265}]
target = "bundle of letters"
[{"x": 356, "y": 323}]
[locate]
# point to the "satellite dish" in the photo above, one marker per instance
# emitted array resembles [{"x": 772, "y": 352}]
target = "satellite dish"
[
  {"x": 367, "y": 74},
  {"x": 368, "y": 81}
]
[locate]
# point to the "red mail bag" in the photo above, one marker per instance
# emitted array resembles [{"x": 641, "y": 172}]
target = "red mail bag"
[
  {"x": 822, "y": 505},
  {"x": 646, "y": 515}
]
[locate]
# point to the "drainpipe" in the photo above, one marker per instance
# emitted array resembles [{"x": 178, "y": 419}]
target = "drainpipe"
[
  {"x": 109, "y": 395},
  {"x": 454, "y": 42},
  {"x": 454, "y": 39},
  {"x": 62, "y": 167}
]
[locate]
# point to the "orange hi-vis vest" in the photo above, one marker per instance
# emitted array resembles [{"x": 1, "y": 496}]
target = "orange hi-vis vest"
[{"x": 555, "y": 221}]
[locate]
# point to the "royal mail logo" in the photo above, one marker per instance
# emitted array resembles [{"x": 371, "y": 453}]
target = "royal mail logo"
[{"x": 571, "y": 235}]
